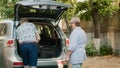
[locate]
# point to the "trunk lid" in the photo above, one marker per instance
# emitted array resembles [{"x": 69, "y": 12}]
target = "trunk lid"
[{"x": 42, "y": 10}]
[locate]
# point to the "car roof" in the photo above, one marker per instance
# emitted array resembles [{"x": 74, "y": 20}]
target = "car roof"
[{"x": 7, "y": 21}]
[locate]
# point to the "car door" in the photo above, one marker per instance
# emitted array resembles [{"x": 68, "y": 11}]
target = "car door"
[
  {"x": 6, "y": 31},
  {"x": 3, "y": 27}
]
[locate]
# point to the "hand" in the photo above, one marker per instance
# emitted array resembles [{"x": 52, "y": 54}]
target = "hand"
[
  {"x": 65, "y": 61},
  {"x": 37, "y": 41},
  {"x": 66, "y": 58}
]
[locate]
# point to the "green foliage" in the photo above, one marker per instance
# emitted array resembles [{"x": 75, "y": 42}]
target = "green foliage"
[
  {"x": 102, "y": 8},
  {"x": 105, "y": 8},
  {"x": 7, "y": 8},
  {"x": 106, "y": 50},
  {"x": 7, "y": 11},
  {"x": 83, "y": 11},
  {"x": 91, "y": 50},
  {"x": 71, "y": 11}
]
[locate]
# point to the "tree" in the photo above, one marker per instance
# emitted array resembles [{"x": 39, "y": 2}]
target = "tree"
[
  {"x": 7, "y": 8},
  {"x": 98, "y": 10}
]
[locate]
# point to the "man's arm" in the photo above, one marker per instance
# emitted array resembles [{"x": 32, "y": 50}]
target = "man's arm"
[
  {"x": 36, "y": 33},
  {"x": 72, "y": 46},
  {"x": 68, "y": 55},
  {"x": 37, "y": 37}
]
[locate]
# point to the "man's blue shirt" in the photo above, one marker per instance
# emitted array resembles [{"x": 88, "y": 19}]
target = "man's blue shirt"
[{"x": 77, "y": 45}]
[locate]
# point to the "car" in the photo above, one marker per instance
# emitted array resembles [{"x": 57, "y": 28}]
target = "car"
[{"x": 45, "y": 14}]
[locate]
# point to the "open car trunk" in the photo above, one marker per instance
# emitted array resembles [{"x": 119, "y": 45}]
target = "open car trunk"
[
  {"x": 50, "y": 44},
  {"x": 39, "y": 12}
]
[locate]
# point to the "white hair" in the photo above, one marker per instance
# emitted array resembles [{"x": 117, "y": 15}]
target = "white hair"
[{"x": 75, "y": 19}]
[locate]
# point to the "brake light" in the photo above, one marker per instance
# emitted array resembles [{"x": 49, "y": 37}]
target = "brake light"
[
  {"x": 67, "y": 42},
  {"x": 18, "y": 63},
  {"x": 10, "y": 43}
]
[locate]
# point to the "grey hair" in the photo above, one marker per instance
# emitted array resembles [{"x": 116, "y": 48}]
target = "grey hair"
[{"x": 75, "y": 20}]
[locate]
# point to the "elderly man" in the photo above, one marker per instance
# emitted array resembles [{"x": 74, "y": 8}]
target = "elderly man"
[
  {"x": 28, "y": 37},
  {"x": 76, "y": 49}
]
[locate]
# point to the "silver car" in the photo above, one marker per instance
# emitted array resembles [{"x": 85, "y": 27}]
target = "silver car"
[{"x": 52, "y": 46}]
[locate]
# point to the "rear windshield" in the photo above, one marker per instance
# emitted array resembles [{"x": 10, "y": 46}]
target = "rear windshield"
[
  {"x": 3, "y": 29},
  {"x": 29, "y": 11}
]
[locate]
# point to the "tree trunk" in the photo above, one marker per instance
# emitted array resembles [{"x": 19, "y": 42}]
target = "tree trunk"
[
  {"x": 96, "y": 35},
  {"x": 96, "y": 29},
  {"x": 96, "y": 26},
  {"x": 96, "y": 39},
  {"x": 68, "y": 26}
]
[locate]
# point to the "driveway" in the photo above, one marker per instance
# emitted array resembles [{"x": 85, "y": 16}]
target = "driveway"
[{"x": 102, "y": 62}]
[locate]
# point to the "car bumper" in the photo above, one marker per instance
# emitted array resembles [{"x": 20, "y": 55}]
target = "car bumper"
[{"x": 55, "y": 66}]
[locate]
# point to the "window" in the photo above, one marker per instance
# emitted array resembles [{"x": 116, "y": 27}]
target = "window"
[
  {"x": 28, "y": 11},
  {"x": 3, "y": 29}
]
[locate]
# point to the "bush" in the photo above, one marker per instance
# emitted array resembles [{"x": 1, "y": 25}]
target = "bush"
[
  {"x": 91, "y": 50},
  {"x": 106, "y": 49}
]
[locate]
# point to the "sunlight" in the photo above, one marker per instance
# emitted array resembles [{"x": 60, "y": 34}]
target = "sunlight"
[{"x": 80, "y": 0}]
